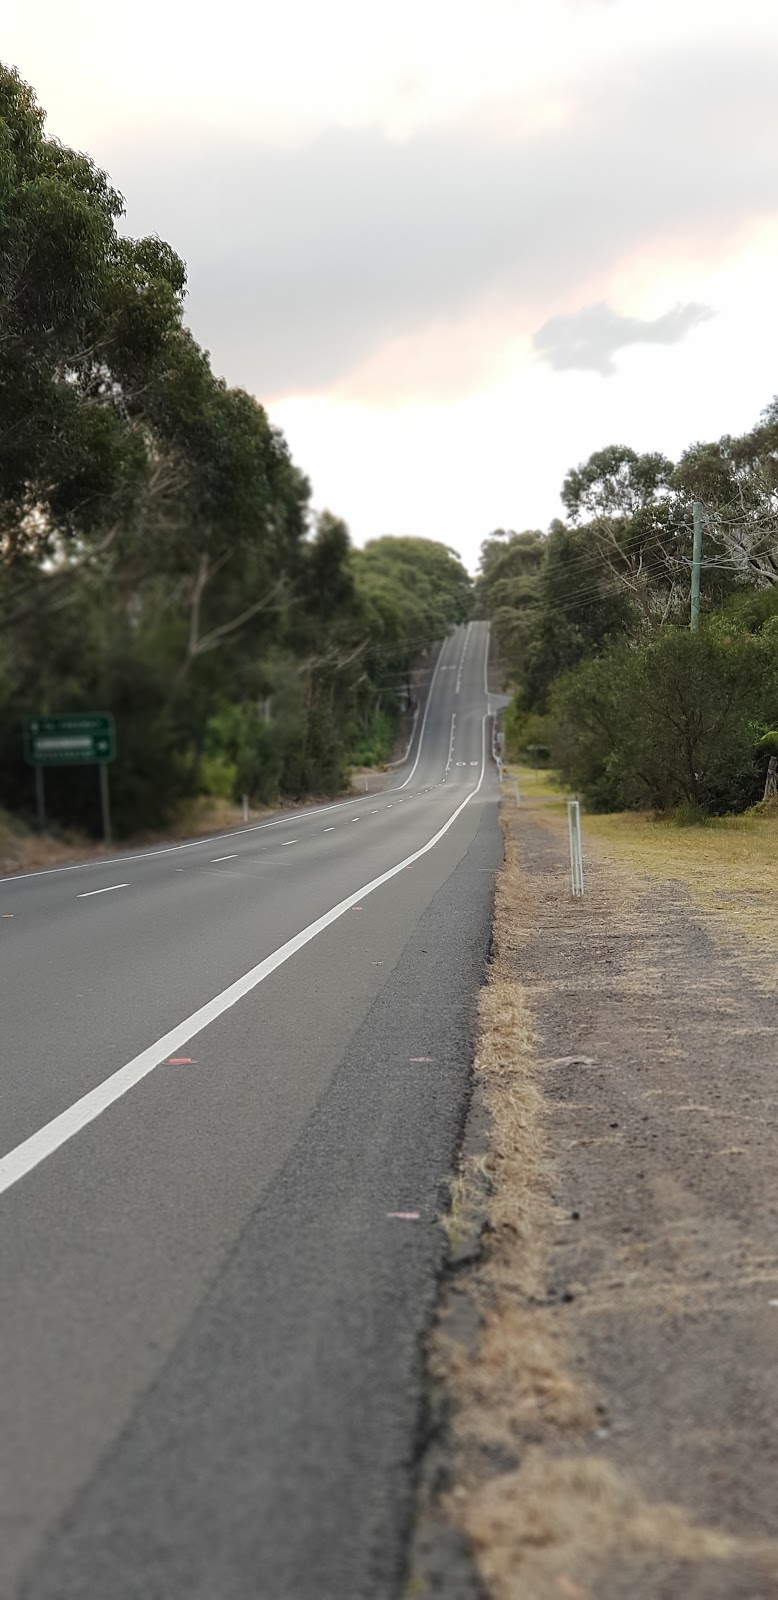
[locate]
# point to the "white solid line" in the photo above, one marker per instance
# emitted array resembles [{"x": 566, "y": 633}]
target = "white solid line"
[
  {"x": 451, "y": 741},
  {"x": 423, "y": 722},
  {"x": 486, "y": 659},
  {"x": 87, "y": 894},
  {"x": 28, "y": 1155},
  {"x": 233, "y": 857}
]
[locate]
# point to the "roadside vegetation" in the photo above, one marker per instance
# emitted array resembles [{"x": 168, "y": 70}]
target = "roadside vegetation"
[
  {"x": 610, "y": 685},
  {"x": 159, "y": 558}
]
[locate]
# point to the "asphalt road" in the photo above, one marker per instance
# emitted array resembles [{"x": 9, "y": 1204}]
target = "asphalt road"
[{"x": 233, "y": 1077}]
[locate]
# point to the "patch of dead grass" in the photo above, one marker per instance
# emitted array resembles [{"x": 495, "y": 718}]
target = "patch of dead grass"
[
  {"x": 22, "y": 850},
  {"x": 558, "y": 1516},
  {"x": 545, "y": 1512}
]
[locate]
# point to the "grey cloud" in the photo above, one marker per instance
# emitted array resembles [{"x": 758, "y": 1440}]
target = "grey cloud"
[
  {"x": 587, "y": 339},
  {"x": 303, "y": 261}
]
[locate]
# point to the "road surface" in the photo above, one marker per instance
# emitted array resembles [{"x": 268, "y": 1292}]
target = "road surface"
[{"x": 233, "y": 1077}]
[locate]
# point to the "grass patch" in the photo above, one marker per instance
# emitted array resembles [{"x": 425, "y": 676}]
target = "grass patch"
[
  {"x": 729, "y": 865},
  {"x": 537, "y": 783}
]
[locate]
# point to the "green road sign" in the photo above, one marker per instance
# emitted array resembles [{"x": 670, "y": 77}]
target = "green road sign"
[{"x": 73, "y": 739}]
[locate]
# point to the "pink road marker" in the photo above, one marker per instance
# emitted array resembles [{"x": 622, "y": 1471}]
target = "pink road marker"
[{"x": 179, "y": 1061}]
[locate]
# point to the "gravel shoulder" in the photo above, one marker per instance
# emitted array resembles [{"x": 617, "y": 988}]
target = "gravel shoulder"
[{"x": 602, "y": 1369}]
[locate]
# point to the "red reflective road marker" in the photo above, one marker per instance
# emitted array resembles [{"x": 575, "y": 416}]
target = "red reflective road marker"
[{"x": 179, "y": 1061}]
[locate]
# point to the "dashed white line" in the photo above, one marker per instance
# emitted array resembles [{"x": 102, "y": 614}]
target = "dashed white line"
[
  {"x": 462, "y": 658},
  {"x": 87, "y": 893},
  {"x": 233, "y": 857},
  {"x": 329, "y": 830},
  {"x": 288, "y": 841}
]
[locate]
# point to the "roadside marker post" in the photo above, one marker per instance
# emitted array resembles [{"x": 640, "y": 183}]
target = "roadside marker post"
[{"x": 576, "y": 850}]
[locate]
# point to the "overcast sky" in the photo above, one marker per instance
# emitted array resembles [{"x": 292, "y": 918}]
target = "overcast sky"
[{"x": 452, "y": 247}]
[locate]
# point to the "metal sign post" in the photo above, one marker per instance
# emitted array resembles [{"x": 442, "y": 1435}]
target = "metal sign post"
[{"x": 71, "y": 739}]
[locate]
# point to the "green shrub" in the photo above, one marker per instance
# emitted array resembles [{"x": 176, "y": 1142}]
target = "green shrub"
[{"x": 670, "y": 722}]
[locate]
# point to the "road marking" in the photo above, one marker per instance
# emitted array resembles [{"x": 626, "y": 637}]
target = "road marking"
[
  {"x": 451, "y": 740},
  {"x": 87, "y": 893},
  {"x": 288, "y": 841},
  {"x": 32, "y": 1151},
  {"x": 233, "y": 857},
  {"x": 430, "y": 693},
  {"x": 330, "y": 829},
  {"x": 355, "y": 819},
  {"x": 462, "y": 658},
  {"x": 373, "y": 812},
  {"x": 405, "y": 1216}
]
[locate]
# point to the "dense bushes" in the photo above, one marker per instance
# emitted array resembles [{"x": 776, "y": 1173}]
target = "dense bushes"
[
  {"x": 672, "y": 721},
  {"x": 591, "y": 626}
]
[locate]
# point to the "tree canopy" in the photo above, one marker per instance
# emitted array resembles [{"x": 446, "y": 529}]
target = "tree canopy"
[{"x": 158, "y": 554}]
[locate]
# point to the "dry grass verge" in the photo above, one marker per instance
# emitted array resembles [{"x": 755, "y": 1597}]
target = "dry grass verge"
[
  {"x": 22, "y": 850},
  {"x": 547, "y": 1509},
  {"x": 729, "y": 865}
]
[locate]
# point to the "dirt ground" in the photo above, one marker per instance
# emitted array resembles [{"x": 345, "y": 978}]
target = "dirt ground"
[{"x": 603, "y": 1377}]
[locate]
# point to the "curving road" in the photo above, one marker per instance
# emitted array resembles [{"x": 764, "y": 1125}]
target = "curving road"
[{"x": 233, "y": 1077}]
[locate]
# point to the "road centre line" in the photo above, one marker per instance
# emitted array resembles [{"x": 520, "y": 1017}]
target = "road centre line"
[
  {"x": 462, "y": 658},
  {"x": 233, "y": 857},
  {"x": 32, "y": 1151},
  {"x": 288, "y": 841},
  {"x": 329, "y": 830},
  {"x": 234, "y": 833},
  {"x": 87, "y": 893}
]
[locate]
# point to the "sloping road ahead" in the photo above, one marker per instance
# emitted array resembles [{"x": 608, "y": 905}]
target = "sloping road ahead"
[{"x": 224, "y": 1066}]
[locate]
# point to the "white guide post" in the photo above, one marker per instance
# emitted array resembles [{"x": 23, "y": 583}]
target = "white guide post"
[{"x": 576, "y": 851}]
